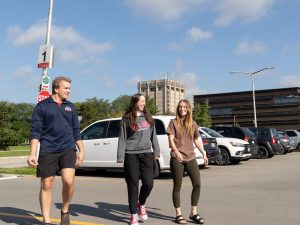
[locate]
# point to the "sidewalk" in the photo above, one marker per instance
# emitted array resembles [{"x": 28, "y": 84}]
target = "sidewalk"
[{"x": 12, "y": 162}]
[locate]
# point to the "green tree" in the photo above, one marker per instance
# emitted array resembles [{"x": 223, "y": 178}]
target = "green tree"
[
  {"x": 8, "y": 136},
  {"x": 21, "y": 120},
  {"x": 120, "y": 105},
  {"x": 150, "y": 104},
  {"x": 200, "y": 114},
  {"x": 93, "y": 109}
]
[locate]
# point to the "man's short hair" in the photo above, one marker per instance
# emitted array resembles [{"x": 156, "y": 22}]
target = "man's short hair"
[{"x": 56, "y": 81}]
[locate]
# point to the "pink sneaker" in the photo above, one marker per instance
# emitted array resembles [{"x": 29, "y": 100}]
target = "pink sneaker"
[
  {"x": 134, "y": 220},
  {"x": 142, "y": 211}
]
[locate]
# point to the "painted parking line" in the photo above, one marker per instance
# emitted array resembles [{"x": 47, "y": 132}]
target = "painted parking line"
[{"x": 74, "y": 222}]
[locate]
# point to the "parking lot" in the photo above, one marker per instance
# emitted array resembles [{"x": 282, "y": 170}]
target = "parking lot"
[{"x": 253, "y": 192}]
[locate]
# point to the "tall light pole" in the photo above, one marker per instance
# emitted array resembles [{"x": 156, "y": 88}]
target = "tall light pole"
[
  {"x": 234, "y": 119},
  {"x": 253, "y": 88}
]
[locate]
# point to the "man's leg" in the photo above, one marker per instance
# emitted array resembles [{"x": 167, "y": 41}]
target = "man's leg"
[
  {"x": 68, "y": 177},
  {"x": 45, "y": 197}
]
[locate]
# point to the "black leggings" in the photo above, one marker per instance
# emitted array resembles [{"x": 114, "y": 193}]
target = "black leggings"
[
  {"x": 138, "y": 166},
  {"x": 192, "y": 170}
]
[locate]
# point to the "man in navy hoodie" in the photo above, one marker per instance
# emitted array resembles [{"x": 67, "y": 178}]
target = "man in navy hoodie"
[{"x": 55, "y": 128}]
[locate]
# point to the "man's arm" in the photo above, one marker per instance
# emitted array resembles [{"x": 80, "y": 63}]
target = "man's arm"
[
  {"x": 80, "y": 156},
  {"x": 32, "y": 158}
]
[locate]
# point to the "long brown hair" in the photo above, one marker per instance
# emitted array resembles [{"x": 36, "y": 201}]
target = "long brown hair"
[
  {"x": 130, "y": 115},
  {"x": 187, "y": 122}
]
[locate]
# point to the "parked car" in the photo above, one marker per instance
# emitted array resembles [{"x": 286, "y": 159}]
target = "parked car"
[
  {"x": 288, "y": 144},
  {"x": 233, "y": 150},
  {"x": 100, "y": 140},
  {"x": 294, "y": 135},
  {"x": 239, "y": 132},
  {"x": 210, "y": 145},
  {"x": 268, "y": 141}
]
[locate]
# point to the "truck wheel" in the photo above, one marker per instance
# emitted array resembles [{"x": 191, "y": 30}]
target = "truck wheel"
[
  {"x": 225, "y": 157},
  {"x": 262, "y": 153}
]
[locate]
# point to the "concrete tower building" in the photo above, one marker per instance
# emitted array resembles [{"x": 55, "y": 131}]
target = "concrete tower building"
[{"x": 165, "y": 92}]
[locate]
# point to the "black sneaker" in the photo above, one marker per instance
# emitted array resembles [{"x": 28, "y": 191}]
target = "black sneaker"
[{"x": 65, "y": 218}]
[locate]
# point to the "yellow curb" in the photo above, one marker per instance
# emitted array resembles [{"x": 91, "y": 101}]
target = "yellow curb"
[{"x": 74, "y": 222}]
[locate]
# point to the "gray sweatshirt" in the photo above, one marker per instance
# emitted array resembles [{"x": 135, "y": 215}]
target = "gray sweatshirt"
[{"x": 142, "y": 139}]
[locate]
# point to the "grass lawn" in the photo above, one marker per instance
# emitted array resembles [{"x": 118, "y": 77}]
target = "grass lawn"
[
  {"x": 19, "y": 170},
  {"x": 13, "y": 153},
  {"x": 22, "y": 150}
]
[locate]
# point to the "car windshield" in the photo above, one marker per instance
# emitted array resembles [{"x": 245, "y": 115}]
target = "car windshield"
[
  {"x": 212, "y": 132},
  {"x": 248, "y": 131}
]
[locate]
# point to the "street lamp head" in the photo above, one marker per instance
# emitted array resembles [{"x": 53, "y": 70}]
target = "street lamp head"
[
  {"x": 251, "y": 73},
  {"x": 270, "y": 68}
]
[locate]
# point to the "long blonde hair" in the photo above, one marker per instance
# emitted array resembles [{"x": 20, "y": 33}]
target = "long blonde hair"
[{"x": 185, "y": 124}]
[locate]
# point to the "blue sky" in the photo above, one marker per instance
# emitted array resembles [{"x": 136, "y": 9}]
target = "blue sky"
[{"x": 106, "y": 46}]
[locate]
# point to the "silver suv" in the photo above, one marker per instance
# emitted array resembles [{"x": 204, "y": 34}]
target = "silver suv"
[{"x": 294, "y": 135}]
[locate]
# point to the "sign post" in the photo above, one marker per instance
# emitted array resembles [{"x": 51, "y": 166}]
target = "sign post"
[{"x": 45, "y": 61}]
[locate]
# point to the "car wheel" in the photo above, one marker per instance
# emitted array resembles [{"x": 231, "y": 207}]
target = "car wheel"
[
  {"x": 281, "y": 151},
  {"x": 262, "y": 153},
  {"x": 225, "y": 157}
]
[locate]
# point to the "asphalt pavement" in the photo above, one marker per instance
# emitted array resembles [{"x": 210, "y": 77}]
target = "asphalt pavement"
[
  {"x": 12, "y": 162},
  {"x": 254, "y": 192}
]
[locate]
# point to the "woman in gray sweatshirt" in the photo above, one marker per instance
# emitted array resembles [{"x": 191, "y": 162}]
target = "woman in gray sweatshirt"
[{"x": 138, "y": 147}]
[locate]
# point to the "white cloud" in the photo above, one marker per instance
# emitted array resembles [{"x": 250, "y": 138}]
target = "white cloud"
[
  {"x": 133, "y": 81},
  {"x": 254, "y": 47},
  {"x": 229, "y": 11},
  {"x": 70, "y": 46},
  {"x": 24, "y": 72},
  {"x": 290, "y": 81},
  {"x": 190, "y": 84},
  {"x": 193, "y": 36},
  {"x": 165, "y": 10},
  {"x": 33, "y": 34}
]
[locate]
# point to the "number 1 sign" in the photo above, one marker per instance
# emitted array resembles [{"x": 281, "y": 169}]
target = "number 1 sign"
[{"x": 45, "y": 56}]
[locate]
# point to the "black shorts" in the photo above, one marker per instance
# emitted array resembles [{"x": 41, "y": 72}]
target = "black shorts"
[{"x": 49, "y": 164}]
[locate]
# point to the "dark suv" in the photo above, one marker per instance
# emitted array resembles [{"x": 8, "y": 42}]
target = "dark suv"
[
  {"x": 268, "y": 141},
  {"x": 239, "y": 132}
]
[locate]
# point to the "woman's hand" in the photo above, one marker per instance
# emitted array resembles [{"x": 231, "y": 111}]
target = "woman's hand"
[
  {"x": 205, "y": 160},
  {"x": 179, "y": 156}
]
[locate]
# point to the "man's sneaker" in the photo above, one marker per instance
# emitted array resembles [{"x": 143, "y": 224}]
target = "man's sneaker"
[
  {"x": 134, "y": 220},
  {"x": 142, "y": 211},
  {"x": 65, "y": 218}
]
